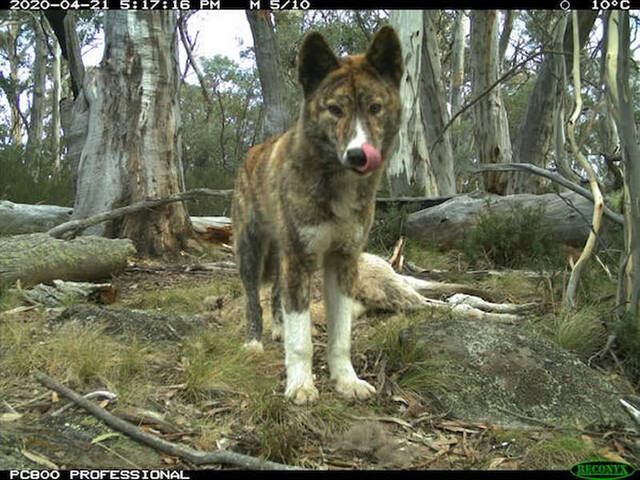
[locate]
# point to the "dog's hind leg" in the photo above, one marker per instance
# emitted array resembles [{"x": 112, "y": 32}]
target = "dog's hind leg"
[
  {"x": 250, "y": 248},
  {"x": 340, "y": 275}
]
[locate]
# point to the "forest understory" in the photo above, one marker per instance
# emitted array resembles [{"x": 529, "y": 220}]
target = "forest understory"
[{"x": 179, "y": 372}]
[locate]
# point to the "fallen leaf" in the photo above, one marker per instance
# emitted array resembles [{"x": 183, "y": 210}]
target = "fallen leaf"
[
  {"x": 10, "y": 417},
  {"x": 39, "y": 459},
  {"x": 104, "y": 436},
  {"x": 496, "y": 462},
  {"x": 611, "y": 455}
]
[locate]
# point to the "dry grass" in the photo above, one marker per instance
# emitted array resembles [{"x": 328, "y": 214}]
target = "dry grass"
[{"x": 223, "y": 397}]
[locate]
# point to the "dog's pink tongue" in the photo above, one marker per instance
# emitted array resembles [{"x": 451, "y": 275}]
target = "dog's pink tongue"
[{"x": 373, "y": 157}]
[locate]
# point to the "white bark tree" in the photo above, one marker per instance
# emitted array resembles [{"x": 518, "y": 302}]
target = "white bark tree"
[
  {"x": 36, "y": 117},
  {"x": 133, "y": 146},
  {"x": 490, "y": 123},
  {"x": 411, "y": 168},
  {"x": 457, "y": 63},
  {"x": 276, "y": 116},
  {"x": 618, "y": 61},
  {"x": 434, "y": 106}
]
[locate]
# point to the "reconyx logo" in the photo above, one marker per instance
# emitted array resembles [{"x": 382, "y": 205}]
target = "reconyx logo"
[{"x": 601, "y": 468}]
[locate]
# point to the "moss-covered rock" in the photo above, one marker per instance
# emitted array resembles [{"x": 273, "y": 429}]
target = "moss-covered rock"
[{"x": 501, "y": 374}]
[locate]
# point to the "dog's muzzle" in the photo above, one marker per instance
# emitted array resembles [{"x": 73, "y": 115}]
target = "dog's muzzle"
[{"x": 363, "y": 159}]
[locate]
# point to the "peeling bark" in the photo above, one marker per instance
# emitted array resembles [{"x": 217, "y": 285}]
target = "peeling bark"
[
  {"x": 490, "y": 124},
  {"x": 133, "y": 146},
  {"x": 276, "y": 116},
  {"x": 619, "y": 95},
  {"x": 435, "y": 111}
]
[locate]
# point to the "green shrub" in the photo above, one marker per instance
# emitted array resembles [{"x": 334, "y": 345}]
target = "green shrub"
[
  {"x": 516, "y": 239},
  {"x": 34, "y": 181},
  {"x": 628, "y": 346}
]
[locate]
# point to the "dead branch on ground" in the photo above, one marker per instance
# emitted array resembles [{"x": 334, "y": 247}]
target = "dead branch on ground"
[{"x": 193, "y": 456}]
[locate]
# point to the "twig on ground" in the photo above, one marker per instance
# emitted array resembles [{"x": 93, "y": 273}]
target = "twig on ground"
[
  {"x": 196, "y": 457},
  {"x": 98, "y": 393},
  {"x": 9, "y": 407}
]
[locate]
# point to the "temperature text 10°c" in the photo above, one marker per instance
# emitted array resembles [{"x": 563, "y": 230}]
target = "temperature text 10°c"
[{"x": 607, "y": 4}]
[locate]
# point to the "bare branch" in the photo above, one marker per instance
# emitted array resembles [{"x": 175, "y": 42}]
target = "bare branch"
[
  {"x": 73, "y": 227},
  {"x": 488, "y": 90},
  {"x": 196, "y": 457},
  {"x": 188, "y": 47}
]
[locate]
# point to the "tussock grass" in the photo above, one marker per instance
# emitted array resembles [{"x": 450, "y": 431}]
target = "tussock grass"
[
  {"x": 213, "y": 361},
  {"x": 581, "y": 331},
  {"x": 20, "y": 350},
  {"x": 78, "y": 354},
  {"x": 395, "y": 339},
  {"x": 558, "y": 452}
]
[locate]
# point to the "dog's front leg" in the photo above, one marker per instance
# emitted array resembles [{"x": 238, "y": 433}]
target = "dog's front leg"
[
  {"x": 296, "y": 284},
  {"x": 340, "y": 275}
]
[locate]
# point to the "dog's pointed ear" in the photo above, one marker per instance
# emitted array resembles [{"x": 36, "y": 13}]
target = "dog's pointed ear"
[
  {"x": 315, "y": 62},
  {"x": 385, "y": 55}
]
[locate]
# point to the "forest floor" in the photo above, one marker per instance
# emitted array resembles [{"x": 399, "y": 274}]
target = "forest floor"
[{"x": 182, "y": 375}]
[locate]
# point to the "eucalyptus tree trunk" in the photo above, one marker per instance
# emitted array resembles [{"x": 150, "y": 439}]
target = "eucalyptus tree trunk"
[
  {"x": 412, "y": 168},
  {"x": 435, "y": 111},
  {"x": 276, "y": 116},
  {"x": 36, "y": 118},
  {"x": 74, "y": 112},
  {"x": 56, "y": 95},
  {"x": 11, "y": 85},
  {"x": 618, "y": 61},
  {"x": 509, "y": 16},
  {"x": 535, "y": 134},
  {"x": 409, "y": 167},
  {"x": 56, "y": 69},
  {"x": 490, "y": 124},
  {"x": 133, "y": 146},
  {"x": 457, "y": 63}
]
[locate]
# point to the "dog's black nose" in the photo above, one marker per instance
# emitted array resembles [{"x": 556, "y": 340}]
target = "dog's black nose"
[{"x": 356, "y": 157}]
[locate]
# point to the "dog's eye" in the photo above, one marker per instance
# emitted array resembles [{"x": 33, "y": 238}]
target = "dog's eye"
[
  {"x": 335, "y": 110},
  {"x": 375, "y": 108}
]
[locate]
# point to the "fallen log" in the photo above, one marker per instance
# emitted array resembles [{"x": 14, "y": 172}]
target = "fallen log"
[
  {"x": 567, "y": 216},
  {"x": 63, "y": 293},
  {"x": 36, "y": 258},
  {"x": 553, "y": 176},
  {"x": 18, "y": 218}
]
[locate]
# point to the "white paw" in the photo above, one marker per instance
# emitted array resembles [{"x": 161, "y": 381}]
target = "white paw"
[
  {"x": 301, "y": 391},
  {"x": 353, "y": 388},
  {"x": 277, "y": 332},
  {"x": 254, "y": 346}
]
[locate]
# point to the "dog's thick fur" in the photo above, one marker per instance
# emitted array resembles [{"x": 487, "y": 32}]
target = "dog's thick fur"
[{"x": 305, "y": 200}]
